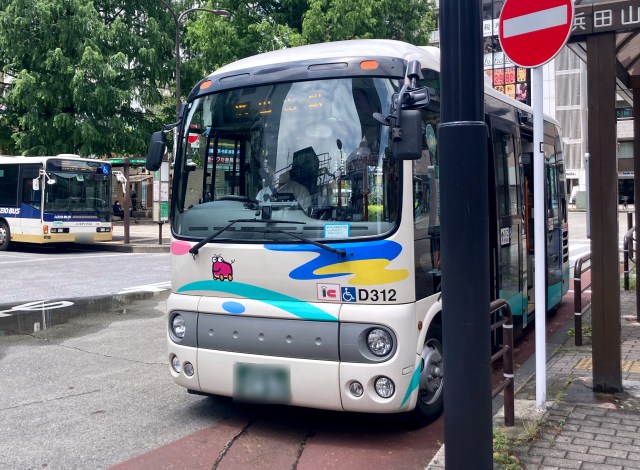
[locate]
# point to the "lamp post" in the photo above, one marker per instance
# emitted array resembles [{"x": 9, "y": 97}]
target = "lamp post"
[{"x": 176, "y": 19}]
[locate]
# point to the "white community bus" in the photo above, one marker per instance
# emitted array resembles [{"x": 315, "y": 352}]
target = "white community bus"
[
  {"x": 305, "y": 227},
  {"x": 54, "y": 199}
]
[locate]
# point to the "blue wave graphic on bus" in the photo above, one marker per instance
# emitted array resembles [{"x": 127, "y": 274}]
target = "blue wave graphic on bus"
[
  {"x": 367, "y": 262},
  {"x": 291, "y": 305}
]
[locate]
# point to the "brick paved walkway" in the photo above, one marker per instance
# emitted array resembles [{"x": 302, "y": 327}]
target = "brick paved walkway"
[{"x": 581, "y": 429}]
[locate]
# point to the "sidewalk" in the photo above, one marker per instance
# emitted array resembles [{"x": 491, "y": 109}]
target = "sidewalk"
[
  {"x": 144, "y": 237},
  {"x": 580, "y": 429}
]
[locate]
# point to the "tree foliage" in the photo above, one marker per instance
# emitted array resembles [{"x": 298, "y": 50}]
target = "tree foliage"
[
  {"x": 334, "y": 20},
  {"x": 83, "y": 74},
  {"x": 96, "y": 77},
  {"x": 264, "y": 25}
]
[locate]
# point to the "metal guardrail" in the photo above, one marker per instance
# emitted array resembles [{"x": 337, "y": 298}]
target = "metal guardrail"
[
  {"x": 628, "y": 252},
  {"x": 506, "y": 353},
  {"x": 583, "y": 265}
]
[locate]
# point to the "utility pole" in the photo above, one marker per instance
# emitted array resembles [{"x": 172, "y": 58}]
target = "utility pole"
[{"x": 464, "y": 173}]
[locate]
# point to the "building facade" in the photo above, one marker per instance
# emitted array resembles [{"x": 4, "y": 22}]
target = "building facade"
[{"x": 565, "y": 99}]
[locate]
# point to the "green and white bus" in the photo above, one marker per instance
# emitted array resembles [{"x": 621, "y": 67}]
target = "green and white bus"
[
  {"x": 55, "y": 199},
  {"x": 305, "y": 227}
]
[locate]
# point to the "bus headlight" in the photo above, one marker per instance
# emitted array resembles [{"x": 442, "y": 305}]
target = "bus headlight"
[
  {"x": 177, "y": 326},
  {"x": 356, "y": 389},
  {"x": 379, "y": 342},
  {"x": 175, "y": 364},
  {"x": 385, "y": 387}
]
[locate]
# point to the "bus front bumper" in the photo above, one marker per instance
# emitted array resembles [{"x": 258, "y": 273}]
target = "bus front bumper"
[{"x": 308, "y": 383}]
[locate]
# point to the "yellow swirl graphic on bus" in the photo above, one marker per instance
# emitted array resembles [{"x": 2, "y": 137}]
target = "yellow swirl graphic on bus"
[{"x": 365, "y": 272}]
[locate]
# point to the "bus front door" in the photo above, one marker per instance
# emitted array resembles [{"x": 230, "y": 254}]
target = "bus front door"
[{"x": 509, "y": 275}]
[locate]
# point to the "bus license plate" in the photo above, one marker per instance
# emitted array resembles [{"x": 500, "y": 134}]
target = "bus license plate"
[{"x": 262, "y": 383}]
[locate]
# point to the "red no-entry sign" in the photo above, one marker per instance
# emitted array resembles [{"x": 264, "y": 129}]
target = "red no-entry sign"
[
  {"x": 194, "y": 134},
  {"x": 533, "y": 32}
]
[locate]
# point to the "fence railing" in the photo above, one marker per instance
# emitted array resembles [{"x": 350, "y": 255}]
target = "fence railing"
[
  {"x": 582, "y": 266},
  {"x": 628, "y": 254},
  {"x": 506, "y": 353}
]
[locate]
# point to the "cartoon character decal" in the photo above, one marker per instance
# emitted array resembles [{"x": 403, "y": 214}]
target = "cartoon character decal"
[{"x": 221, "y": 269}]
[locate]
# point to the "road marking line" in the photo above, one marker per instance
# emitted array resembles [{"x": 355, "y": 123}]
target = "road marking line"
[
  {"x": 156, "y": 287},
  {"x": 78, "y": 257}
]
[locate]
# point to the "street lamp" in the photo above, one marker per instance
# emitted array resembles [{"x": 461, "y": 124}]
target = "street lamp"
[{"x": 177, "y": 18}]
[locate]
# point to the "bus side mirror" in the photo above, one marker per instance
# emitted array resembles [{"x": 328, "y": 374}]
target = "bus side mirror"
[
  {"x": 155, "y": 153},
  {"x": 407, "y": 138}
]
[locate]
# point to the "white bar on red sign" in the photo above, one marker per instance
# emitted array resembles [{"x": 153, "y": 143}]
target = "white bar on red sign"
[{"x": 537, "y": 21}]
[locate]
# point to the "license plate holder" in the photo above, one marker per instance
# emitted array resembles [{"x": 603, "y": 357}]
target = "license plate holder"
[{"x": 263, "y": 383}]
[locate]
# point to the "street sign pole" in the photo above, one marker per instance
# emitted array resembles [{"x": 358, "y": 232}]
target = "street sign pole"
[
  {"x": 539, "y": 229},
  {"x": 531, "y": 34}
]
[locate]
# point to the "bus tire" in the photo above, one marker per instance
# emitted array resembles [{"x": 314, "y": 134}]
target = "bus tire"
[
  {"x": 429, "y": 403},
  {"x": 5, "y": 236}
]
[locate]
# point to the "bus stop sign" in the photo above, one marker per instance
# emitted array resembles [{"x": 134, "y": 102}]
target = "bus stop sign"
[{"x": 533, "y": 32}]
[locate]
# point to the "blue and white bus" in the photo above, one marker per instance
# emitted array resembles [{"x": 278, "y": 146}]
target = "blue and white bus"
[
  {"x": 306, "y": 262},
  {"x": 62, "y": 198}
]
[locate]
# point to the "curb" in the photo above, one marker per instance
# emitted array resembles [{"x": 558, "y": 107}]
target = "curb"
[
  {"x": 17, "y": 318},
  {"x": 121, "y": 247}
]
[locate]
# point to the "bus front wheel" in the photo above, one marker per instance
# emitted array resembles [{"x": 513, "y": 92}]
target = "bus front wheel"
[
  {"x": 430, "y": 397},
  {"x": 5, "y": 236}
]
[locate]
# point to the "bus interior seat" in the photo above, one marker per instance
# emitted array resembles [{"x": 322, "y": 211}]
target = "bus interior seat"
[{"x": 305, "y": 168}]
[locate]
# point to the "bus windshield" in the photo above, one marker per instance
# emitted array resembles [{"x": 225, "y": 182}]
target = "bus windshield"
[
  {"x": 78, "y": 188},
  {"x": 307, "y": 152}
]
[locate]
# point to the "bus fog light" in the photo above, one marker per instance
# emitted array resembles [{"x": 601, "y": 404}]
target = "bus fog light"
[
  {"x": 188, "y": 369},
  {"x": 356, "y": 389},
  {"x": 175, "y": 364},
  {"x": 379, "y": 342},
  {"x": 385, "y": 387},
  {"x": 177, "y": 326}
]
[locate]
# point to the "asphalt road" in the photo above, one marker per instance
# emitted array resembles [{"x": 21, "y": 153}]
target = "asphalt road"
[{"x": 52, "y": 272}]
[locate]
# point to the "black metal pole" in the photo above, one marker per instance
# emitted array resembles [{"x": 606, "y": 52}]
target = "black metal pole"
[
  {"x": 127, "y": 199},
  {"x": 465, "y": 239},
  {"x": 636, "y": 183}
]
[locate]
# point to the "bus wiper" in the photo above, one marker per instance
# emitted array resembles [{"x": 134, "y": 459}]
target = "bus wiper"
[
  {"x": 324, "y": 246},
  {"x": 195, "y": 248}
]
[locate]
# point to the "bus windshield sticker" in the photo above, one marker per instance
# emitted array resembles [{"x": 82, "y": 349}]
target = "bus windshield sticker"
[{"x": 336, "y": 231}]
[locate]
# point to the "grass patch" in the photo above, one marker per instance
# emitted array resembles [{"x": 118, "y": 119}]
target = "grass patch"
[
  {"x": 561, "y": 393},
  {"x": 502, "y": 452},
  {"x": 503, "y": 446},
  {"x": 632, "y": 278},
  {"x": 586, "y": 331}
]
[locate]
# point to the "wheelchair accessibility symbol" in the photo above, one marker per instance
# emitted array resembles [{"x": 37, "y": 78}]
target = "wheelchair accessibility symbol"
[{"x": 348, "y": 294}]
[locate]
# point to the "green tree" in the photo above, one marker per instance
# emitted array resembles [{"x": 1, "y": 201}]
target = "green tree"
[
  {"x": 86, "y": 76},
  {"x": 264, "y": 25},
  {"x": 334, "y": 20},
  {"x": 253, "y": 27}
]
